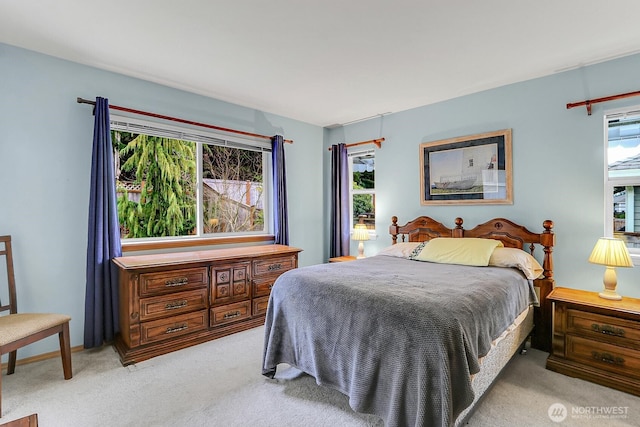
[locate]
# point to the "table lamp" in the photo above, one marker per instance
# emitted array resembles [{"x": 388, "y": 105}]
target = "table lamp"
[
  {"x": 611, "y": 253},
  {"x": 360, "y": 233}
]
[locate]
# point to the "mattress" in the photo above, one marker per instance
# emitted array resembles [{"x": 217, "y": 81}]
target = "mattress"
[{"x": 502, "y": 350}]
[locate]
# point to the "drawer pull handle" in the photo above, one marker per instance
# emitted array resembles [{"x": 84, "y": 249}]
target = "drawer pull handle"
[
  {"x": 231, "y": 315},
  {"x": 608, "y": 330},
  {"x": 607, "y": 358},
  {"x": 178, "y": 281},
  {"x": 176, "y": 304},
  {"x": 274, "y": 267},
  {"x": 177, "y": 329}
]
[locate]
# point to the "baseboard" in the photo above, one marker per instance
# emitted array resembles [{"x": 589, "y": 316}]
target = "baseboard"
[{"x": 43, "y": 356}]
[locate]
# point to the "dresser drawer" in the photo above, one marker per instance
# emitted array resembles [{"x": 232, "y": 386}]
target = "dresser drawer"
[
  {"x": 163, "y": 282},
  {"x": 582, "y": 322},
  {"x": 231, "y": 273},
  {"x": 230, "y": 282},
  {"x": 604, "y": 356},
  {"x": 273, "y": 265},
  {"x": 262, "y": 287},
  {"x": 172, "y": 304},
  {"x": 230, "y": 313},
  {"x": 260, "y": 306},
  {"x": 172, "y": 327}
]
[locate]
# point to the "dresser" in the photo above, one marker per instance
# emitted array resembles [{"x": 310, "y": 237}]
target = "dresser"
[
  {"x": 175, "y": 300},
  {"x": 596, "y": 339}
]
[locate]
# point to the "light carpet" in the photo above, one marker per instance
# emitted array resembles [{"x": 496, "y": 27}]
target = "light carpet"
[{"x": 218, "y": 383}]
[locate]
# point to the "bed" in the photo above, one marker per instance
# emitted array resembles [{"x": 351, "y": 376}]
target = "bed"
[{"x": 415, "y": 342}]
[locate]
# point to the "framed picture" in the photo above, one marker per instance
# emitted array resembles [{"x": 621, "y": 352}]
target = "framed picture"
[{"x": 467, "y": 170}]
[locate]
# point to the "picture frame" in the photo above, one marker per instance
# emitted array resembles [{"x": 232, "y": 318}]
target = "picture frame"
[{"x": 467, "y": 170}]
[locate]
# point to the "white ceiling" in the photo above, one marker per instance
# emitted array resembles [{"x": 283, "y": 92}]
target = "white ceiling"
[{"x": 327, "y": 62}]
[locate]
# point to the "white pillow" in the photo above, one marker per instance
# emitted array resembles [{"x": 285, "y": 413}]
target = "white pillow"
[
  {"x": 400, "y": 250},
  {"x": 517, "y": 258}
]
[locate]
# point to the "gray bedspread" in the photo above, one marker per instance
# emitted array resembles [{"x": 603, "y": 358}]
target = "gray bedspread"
[{"x": 400, "y": 338}]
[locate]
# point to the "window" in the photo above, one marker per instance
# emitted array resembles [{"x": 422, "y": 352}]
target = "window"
[
  {"x": 363, "y": 193},
  {"x": 179, "y": 183},
  {"x": 623, "y": 178}
]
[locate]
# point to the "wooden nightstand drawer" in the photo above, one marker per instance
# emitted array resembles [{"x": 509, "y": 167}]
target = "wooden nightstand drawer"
[
  {"x": 172, "y": 304},
  {"x": 603, "y": 327},
  {"x": 600, "y": 355}
]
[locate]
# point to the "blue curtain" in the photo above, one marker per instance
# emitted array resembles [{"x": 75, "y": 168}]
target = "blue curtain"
[
  {"x": 280, "y": 213},
  {"x": 339, "y": 244},
  {"x": 101, "y": 297}
]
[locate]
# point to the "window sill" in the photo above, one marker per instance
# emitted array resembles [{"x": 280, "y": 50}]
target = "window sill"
[{"x": 186, "y": 243}]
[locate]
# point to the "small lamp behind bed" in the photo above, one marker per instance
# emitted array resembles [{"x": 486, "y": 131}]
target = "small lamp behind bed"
[
  {"x": 612, "y": 253},
  {"x": 360, "y": 233}
]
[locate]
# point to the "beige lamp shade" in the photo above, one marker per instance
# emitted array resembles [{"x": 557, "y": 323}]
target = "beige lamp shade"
[
  {"x": 360, "y": 232},
  {"x": 611, "y": 253}
]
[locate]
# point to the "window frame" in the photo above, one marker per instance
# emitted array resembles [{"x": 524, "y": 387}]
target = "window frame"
[
  {"x": 352, "y": 191},
  {"x": 201, "y": 137},
  {"x": 617, "y": 181}
]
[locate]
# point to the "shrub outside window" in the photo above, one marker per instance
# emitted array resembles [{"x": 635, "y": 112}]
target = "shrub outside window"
[
  {"x": 363, "y": 193},
  {"x": 178, "y": 183}
]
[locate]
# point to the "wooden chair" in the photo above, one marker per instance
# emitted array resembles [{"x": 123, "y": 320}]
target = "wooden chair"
[{"x": 19, "y": 329}]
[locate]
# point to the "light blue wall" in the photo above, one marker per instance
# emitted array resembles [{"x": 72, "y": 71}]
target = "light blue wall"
[
  {"x": 45, "y": 153},
  {"x": 45, "y": 160},
  {"x": 558, "y": 157}
]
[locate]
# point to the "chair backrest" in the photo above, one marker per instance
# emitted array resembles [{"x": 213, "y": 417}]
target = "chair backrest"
[{"x": 5, "y": 250}]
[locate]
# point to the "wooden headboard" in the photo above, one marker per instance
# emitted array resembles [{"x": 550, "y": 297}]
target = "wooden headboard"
[{"x": 511, "y": 235}]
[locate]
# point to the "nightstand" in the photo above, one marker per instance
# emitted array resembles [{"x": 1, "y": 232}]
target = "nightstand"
[
  {"x": 342, "y": 258},
  {"x": 28, "y": 421},
  {"x": 596, "y": 339}
]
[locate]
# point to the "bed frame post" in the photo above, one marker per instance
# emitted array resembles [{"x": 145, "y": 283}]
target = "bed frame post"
[
  {"x": 541, "y": 338},
  {"x": 459, "y": 230},
  {"x": 548, "y": 241},
  {"x": 393, "y": 230}
]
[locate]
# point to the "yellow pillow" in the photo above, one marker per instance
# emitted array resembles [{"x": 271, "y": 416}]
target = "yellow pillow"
[{"x": 464, "y": 251}]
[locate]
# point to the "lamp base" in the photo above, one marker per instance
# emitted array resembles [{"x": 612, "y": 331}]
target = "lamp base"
[
  {"x": 360, "y": 250},
  {"x": 612, "y": 295},
  {"x": 610, "y": 282}
]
